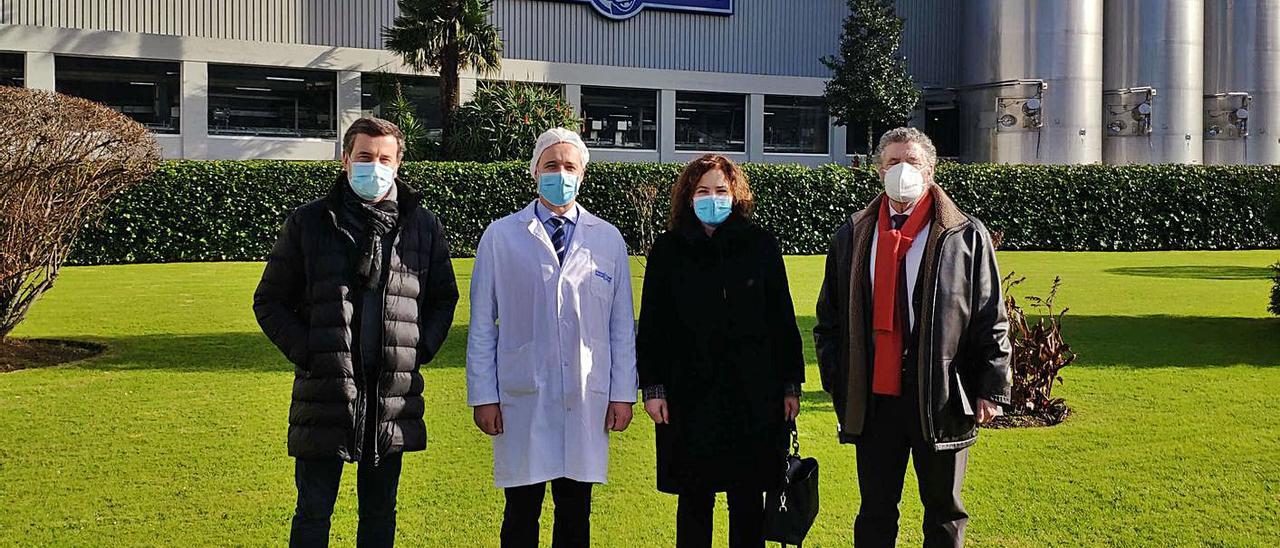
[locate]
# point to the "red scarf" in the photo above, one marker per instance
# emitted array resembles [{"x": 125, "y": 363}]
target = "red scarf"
[{"x": 891, "y": 250}]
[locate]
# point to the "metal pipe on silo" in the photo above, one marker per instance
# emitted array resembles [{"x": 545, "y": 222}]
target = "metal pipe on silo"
[
  {"x": 1031, "y": 84},
  {"x": 1263, "y": 147},
  {"x": 1153, "y": 81},
  {"x": 993, "y": 50},
  {"x": 1069, "y": 58},
  {"x": 1227, "y": 32},
  {"x": 1242, "y": 81}
]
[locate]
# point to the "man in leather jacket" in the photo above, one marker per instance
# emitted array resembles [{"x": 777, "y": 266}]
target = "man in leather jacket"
[{"x": 912, "y": 342}]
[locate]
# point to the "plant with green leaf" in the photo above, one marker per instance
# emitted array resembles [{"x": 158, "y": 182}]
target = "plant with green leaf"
[
  {"x": 1273, "y": 223},
  {"x": 396, "y": 107},
  {"x": 1039, "y": 354},
  {"x": 1275, "y": 290},
  {"x": 446, "y": 36},
  {"x": 1273, "y": 214},
  {"x": 232, "y": 210},
  {"x": 869, "y": 81},
  {"x": 504, "y": 119},
  {"x": 402, "y": 113}
]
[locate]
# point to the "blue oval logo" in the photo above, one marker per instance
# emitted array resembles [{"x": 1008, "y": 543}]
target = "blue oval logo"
[
  {"x": 618, "y": 9},
  {"x": 625, "y": 9}
]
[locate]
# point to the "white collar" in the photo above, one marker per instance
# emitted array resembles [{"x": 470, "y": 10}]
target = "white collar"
[
  {"x": 543, "y": 213},
  {"x": 910, "y": 209}
]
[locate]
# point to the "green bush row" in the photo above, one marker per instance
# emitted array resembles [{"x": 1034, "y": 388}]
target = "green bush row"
[
  {"x": 1275, "y": 290},
  {"x": 232, "y": 210}
]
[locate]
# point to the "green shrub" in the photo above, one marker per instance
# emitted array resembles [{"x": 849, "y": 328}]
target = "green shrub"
[
  {"x": 227, "y": 210},
  {"x": 1275, "y": 290},
  {"x": 417, "y": 142},
  {"x": 503, "y": 120},
  {"x": 1273, "y": 213},
  {"x": 1118, "y": 208},
  {"x": 421, "y": 142},
  {"x": 1039, "y": 353}
]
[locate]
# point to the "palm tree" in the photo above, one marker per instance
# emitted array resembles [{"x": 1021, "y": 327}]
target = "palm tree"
[{"x": 447, "y": 36}]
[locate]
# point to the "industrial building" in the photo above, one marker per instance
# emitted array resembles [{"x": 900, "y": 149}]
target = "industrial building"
[
  {"x": 1119, "y": 82},
  {"x": 1026, "y": 81}
]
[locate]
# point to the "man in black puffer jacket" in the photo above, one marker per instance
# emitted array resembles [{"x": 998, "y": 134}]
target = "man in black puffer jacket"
[{"x": 358, "y": 292}]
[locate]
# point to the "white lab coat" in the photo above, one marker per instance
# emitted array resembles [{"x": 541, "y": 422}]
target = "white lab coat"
[{"x": 553, "y": 345}]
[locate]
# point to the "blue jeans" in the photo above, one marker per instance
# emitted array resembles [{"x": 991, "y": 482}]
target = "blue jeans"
[{"x": 318, "y": 481}]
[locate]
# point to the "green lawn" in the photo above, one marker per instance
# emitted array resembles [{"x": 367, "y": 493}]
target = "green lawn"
[{"x": 177, "y": 436}]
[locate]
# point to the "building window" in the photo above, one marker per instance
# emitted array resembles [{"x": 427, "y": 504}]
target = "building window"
[
  {"x": 620, "y": 118},
  {"x": 12, "y": 66},
  {"x": 272, "y": 102},
  {"x": 378, "y": 92},
  {"x": 856, "y": 138},
  {"x": 795, "y": 125},
  {"x": 943, "y": 127},
  {"x": 711, "y": 122},
  {"x": 147, "y": 91}
]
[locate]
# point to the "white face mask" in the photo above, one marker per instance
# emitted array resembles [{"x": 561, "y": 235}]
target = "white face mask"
[{"x": 904, "y": 183}]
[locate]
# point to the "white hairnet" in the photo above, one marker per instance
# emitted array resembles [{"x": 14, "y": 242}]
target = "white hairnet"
[{"x": 555, "y": 136}]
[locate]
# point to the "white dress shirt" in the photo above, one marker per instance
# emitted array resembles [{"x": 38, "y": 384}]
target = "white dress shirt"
[{"x": 914, "y": 256}]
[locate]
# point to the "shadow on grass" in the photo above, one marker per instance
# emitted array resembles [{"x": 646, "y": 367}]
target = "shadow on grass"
[
  {"x": 1101, "y": 341},
  {"x": 1160, "y": 341},
  {"x": 1198, "y": 272},
  {"x": 250, "y": 352},
  {"x": 816, "y": 399},
  {"x": 1152, "y": 341}
]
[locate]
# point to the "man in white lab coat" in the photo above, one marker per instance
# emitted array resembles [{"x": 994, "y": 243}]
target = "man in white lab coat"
[{"x": 551, "y": 363}]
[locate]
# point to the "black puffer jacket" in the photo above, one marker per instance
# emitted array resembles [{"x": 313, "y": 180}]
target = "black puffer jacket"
[{"x": 305, "y": 304}]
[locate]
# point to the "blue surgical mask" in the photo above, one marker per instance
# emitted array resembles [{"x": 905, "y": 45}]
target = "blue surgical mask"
[
  {"x": 371, "y": 180},
  {"x": 558, "y": 187},
  {"x": 713, "y": 210}
]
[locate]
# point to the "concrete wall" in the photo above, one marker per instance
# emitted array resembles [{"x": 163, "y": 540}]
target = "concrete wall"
[
  {"x": 776, "y": 37},
  {"x": 741, "y": 54}
]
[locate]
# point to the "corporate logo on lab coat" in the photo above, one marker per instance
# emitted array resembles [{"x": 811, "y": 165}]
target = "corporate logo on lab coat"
[{"x": 624, "y": 9}]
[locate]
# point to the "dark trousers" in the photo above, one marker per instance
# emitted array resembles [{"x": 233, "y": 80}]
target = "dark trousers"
[
  {"x": 318, "y": 490},
  {"x": 524, "y": 508},
  {"x": 892, "y": 433},
  {"x": 746, "y": 519}
]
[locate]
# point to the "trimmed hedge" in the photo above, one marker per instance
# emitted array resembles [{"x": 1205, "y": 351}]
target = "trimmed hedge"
[
  {"x": 1275, "y": 290},
  {"x": 232, "y": 210}
]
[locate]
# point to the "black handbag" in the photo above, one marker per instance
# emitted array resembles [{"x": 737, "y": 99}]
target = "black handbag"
[{"x": 789, "y": 512}]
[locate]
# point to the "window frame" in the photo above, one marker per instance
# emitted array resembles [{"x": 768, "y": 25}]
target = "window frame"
[
  {"x": 73, "y": 71},
  {"x": 656, "y": 95},
  {"x": 794, "y": 101},
  {"x": 291, "y": 75},
  {"x": 699, "y": 147}
]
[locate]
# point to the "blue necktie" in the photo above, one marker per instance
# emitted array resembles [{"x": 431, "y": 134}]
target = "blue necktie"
[{"x": 557, "y": 236}]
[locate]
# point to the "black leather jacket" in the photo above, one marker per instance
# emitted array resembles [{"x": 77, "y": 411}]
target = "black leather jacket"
[{"x": 963, "y": 331}]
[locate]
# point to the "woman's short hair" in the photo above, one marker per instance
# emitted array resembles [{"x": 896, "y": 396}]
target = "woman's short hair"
[{"x": 682, "y": 193}]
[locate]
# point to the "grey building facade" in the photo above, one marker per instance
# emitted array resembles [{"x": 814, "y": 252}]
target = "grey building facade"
[
  {"x": 1019, "y": 81},
  {"x": 237, "y": 79}
]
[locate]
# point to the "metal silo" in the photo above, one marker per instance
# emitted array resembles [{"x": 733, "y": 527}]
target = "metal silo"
[
  {"x": 1153, "y": 81},
  {"x": 1242, "y": 82},
  {"x": 1031, "y": 81}
]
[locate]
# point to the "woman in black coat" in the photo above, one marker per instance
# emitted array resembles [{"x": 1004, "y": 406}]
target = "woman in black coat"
[{"x": 719, "y": 353}]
